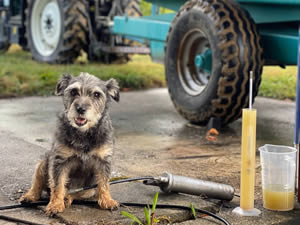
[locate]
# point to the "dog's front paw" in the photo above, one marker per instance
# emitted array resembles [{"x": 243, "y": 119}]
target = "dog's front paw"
[
  {"x": 29, "y": 198},
  {"x": 55, "y": 207},
  {"x": 108, "y": 204}
]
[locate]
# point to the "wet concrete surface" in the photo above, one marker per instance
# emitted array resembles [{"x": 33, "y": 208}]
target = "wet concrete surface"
[{"x": 151, "y": 138}]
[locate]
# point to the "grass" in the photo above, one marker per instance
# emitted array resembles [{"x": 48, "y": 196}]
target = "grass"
[
  {"x": 21, "y": 76},
  {"x": 146, "y": 9},
  {"x": 279, "y": 83}
]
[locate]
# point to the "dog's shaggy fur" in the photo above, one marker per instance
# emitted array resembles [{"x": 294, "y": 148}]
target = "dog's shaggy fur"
[{"x": 83, "y": 145}]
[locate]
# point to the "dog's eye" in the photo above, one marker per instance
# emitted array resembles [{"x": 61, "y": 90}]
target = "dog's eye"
[
  {"x": 74, "y": 92},
  {"x": 97, "y": 94}
]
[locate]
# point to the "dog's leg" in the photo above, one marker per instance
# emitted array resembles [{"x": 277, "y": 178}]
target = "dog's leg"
[
  {"x": 105, "y": 201},
  {"x": 57, "y": 191},
  {"x": 38, "y": 184}
]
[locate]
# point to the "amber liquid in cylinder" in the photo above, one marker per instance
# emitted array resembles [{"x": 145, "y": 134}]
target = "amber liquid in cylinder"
[{"x": 248, "y": 159}]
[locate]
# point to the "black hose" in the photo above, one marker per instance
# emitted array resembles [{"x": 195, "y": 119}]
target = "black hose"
[
  {"x": 111, "y": 183},
  {"x": 12, "y": 219},
  {"x": 24, "y": 205},
  {"x": 131, "y": 179},
  {"x": 78, "y": 202}
]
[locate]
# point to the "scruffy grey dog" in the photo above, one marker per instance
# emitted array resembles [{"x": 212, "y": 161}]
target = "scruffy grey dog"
[{"x": 83, "y": 145}]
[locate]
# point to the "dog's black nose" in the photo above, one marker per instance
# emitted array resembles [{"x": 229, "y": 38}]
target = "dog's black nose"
[{"x": 80, "y": 109}]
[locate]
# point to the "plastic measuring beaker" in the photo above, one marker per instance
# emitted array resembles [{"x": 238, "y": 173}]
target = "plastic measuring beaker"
[{"x": 278, "y": 165}]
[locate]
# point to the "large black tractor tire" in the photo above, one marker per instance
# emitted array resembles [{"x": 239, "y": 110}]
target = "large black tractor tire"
[
  {"x": 56, "y": 30},
  {"x": 111, "y": 9},
  {"x": 231, "y": 35}
]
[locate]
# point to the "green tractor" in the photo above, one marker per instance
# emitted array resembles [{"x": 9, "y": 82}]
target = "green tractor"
[{"x": 56, "y": 31}]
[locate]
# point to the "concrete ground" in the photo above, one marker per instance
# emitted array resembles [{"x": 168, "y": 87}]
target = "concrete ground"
[{"x": 151, "y": 138}]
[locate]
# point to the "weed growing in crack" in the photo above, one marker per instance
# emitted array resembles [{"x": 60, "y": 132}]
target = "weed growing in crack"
[{"x": 149, "y": 214}]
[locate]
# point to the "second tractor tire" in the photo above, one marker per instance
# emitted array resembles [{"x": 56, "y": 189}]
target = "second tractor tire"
[{"x": 56, "y": 30}]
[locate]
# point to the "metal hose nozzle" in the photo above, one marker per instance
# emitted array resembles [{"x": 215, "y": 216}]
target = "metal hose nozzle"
[{"x": 181, "y": 184}]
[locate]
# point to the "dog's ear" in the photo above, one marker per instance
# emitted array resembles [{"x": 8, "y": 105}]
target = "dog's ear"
[
  {"x": 63, "y": 84},
  {"x": 113, "y": 89}
]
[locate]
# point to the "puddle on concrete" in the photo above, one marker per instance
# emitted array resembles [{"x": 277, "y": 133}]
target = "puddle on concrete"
[
  {"x": 270, "y": 132},
  {"x": 267, "y": 132}
]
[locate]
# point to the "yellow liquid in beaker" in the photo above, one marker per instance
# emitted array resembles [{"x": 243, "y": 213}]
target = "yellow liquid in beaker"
[{"x": 275, "y": 198}]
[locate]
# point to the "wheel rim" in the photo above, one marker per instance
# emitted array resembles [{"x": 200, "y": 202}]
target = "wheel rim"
[
  {"x": 194, "y": 62},
  {"x": 45, "y": 26}
]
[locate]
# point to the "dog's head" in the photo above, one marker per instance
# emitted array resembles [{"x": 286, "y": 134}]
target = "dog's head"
[{"x": 85, "y": 98}]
